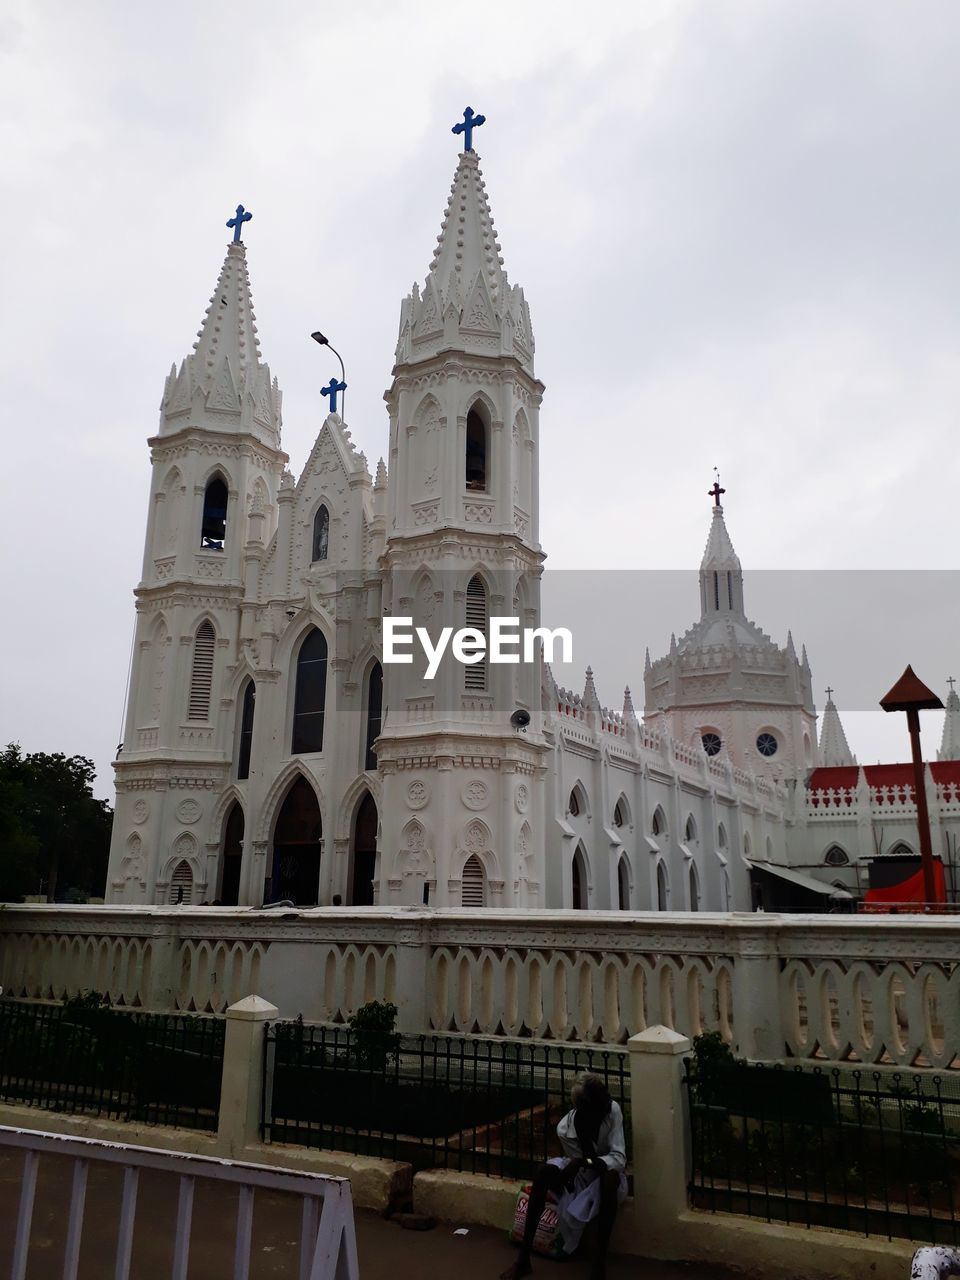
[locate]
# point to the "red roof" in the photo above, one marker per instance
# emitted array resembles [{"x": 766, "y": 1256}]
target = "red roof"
[{"x": 845, "y": 777}]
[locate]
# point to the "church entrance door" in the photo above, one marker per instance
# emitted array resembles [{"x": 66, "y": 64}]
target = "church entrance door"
[
  {"x": 232, "y": 857},
  {"x": 364, "y": 852},
  {"x": 296, "y": 848}
]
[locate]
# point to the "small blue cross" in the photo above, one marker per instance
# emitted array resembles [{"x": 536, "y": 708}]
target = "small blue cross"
[
  {"x": 332, "y": 390},
  {"x": 237, "y": 222},
  {"x": 467, "y": 126}
]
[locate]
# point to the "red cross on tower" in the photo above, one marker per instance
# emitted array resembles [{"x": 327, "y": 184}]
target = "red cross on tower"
[{"x": 716, "y": 491}]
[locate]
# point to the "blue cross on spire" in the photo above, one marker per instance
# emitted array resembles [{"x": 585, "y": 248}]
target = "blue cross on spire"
[
  {"x": 242, "y": 216},
  {"x": 467, "y": 126},
  {"x": 332, "y": 390}
]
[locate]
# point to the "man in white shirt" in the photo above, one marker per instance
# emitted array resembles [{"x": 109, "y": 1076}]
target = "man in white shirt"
[{"x": 588, "y": 1181}]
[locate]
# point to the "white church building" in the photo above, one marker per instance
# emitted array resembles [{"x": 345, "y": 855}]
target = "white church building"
[{"x": 269, "y": 754}]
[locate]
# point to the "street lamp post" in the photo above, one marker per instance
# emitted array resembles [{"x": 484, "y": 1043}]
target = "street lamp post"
[
  {"x": 323, "y": 341},
  {"x": 911, "y": 695}
]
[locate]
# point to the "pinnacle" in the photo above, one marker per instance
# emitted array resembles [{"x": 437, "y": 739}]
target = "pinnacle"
[
  {"x": 467, "y": 245},
  {"x": 834, "y": 750},
  {"x": 950, "y": 741},
  {"x": 225, "y": 368},
  {"x": 719, "y": 552},
  {"x": 229, "y": 327}
]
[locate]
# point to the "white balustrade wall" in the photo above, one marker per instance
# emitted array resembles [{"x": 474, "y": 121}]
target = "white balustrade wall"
[{"x": 874, "y": 990}]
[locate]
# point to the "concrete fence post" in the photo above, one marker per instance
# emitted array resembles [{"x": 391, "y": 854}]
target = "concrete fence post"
[
  {"x": 413, "y": 991},
  {"x": 159, "y": 973},
  {"x": 758, "y": 1023},
  {"x": 242, "y": 1079},
  {"x": 661, "y": 1138}
]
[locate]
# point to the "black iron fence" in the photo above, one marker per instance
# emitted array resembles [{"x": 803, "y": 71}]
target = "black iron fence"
[
  {"x": 871, "y": 1151},
  {"x": 83, "y": 1056},
  {"x": 437, "y": 1101}
]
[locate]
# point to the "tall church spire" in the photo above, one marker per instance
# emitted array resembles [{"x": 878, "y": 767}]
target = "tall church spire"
[
  {"x": 721, "y": 577},
  {"x": 950, "y": 742},
  {"x": 834, "y": 751},
  {"x": 223, "y": 376},
  {"x": 467, "y": 304}
]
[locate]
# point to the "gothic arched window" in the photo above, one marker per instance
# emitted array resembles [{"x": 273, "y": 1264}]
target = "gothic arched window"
[
  {"x": 246, "y": 730},
  {"x": 618, "y": 814},
  {"x": 213, "y": 530},
  {"x": 321, "y": 534},
  {"x": 201, "y": 675},
  {"x": 659, "y": 825},
  {"x": 473, "y": 883},
  {"x": 835, "y": 857},
  {"x": 374, "y": 714},
  {"x": 181, "y": 884},
  {"x": 476, "y": 453},
  {"x": 663, "y": 888},
  {"x": 574, "y": 805},
  {"x": 475, "y": 674},
  {"x": 311, "y": 694},
  {"x": 690, "y": 830}
]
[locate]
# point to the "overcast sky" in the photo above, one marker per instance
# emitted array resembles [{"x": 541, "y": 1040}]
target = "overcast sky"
[{"x": 736, "y": 226}]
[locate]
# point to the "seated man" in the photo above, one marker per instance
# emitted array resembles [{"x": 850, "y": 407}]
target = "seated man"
[{"x": 588, "y": 1180}]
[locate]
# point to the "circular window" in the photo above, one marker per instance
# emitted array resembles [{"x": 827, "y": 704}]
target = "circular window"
[
  {"x": 767, "y": 744},
  {"x": 712, "y": 744}
]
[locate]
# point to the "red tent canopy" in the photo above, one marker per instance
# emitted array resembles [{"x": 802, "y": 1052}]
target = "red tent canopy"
[{"x": 909, "y": 891}]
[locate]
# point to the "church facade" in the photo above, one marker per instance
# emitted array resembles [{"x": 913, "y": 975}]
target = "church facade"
[{"x": 269, "y": 752}]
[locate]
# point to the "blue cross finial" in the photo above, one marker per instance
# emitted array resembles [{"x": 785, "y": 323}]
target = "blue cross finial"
[
  {"x": 332, "y": 390},
  {"x": 467, "y": 126},
  {"x": 237, "y": 222}
]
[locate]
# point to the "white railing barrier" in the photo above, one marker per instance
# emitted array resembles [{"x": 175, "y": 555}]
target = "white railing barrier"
[
  {"x": 841, "y": 988},
  {"x": 328, "y": 1247}
]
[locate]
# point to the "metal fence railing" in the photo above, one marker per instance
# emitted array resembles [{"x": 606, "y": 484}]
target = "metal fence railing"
[
  {"x": 871, "y": 1151},
  {"x": 437, "y": 1101},
  {"x": 84, "y": 1057},
  {"x": 152, "y": 1242}
]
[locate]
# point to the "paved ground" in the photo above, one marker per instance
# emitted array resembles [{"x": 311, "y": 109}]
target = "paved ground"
[{"x": 387, "y": 1251}]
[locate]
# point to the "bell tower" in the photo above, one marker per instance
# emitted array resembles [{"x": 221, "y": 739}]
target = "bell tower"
[
  {"x": 216, "y": 463},
  {"x": 463, "y": 785}
]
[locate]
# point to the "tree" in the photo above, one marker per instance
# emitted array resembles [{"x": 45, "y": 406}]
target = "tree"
[{"x": 54, "y": 833}]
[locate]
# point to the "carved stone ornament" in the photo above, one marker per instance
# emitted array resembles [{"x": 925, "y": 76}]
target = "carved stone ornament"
[
  {"x": 141, "y": 811},
  {"x": 476, "y": 795},
  {"x": 476, "y": 837},
  {"x": 418, "y": 793},
  {"x": 522, "y": 798},
  {"x": 188, "y": 811}
]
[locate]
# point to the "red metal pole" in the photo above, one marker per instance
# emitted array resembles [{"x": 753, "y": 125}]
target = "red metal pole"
[{"x": 930, "y": 889}]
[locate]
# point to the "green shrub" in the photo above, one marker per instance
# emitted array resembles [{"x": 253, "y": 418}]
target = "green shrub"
[{"x": 374, "y": 1037}]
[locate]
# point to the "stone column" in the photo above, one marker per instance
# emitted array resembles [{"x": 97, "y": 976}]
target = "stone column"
[
  {"x": 661, "y": 1136},
  {"x": 242, "y": 1080}
]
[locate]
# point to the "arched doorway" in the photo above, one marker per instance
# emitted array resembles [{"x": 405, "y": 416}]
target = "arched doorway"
[
  {"x": 623, "y": 884},
  {"x": 579, "y": 882},
  {"x": 296, "y": 847},
  {"x": 694, "y": 888},
  {"x": 364, "y": 852},
  {"x": 232, "y": 857},
  {"x": 663, "y": 888}
]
